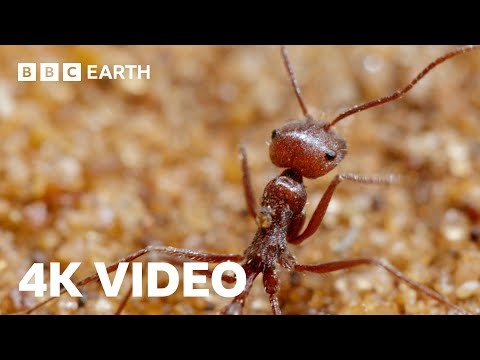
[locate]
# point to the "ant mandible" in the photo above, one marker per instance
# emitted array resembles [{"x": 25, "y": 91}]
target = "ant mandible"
[{"x": 307, "y": 149}]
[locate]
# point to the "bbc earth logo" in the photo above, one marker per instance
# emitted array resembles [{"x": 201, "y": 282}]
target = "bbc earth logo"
[{"x": 73, "y": 72}]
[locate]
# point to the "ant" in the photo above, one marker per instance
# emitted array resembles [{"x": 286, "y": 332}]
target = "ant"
[{"x": 307, "y": 149}]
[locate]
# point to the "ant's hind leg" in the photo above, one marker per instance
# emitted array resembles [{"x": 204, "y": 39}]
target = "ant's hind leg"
[
  {"x": 165, "y": 250},
  {"x": 274, "y": 304},
  {"x": 124, "y": 301},
  {"x": 238, "y": 303},
  {"x": 271, "y": 285},
  {"x": 346, "y": 264}
]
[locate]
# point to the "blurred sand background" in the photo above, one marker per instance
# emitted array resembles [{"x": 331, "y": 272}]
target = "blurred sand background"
[{"x": 93, "y": 170}]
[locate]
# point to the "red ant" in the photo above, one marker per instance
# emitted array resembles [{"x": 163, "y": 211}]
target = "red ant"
[{"x": 307, "y": 149}]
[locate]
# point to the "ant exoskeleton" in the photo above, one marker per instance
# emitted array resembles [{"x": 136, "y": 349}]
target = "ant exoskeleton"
[{"x": 307, "y": 149}]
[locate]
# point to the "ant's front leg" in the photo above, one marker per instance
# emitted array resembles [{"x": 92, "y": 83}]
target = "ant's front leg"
[
  {"x": 184, "y": 254},
  {"x": 322, "y": 206}
]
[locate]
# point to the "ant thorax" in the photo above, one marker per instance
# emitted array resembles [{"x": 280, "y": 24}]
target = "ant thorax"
[{"x": 281, "y": 213}]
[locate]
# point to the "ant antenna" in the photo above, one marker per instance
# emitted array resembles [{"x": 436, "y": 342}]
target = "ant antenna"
[
  {"x": 399, "y": 93},
  {"x": 293, "y": 79}
]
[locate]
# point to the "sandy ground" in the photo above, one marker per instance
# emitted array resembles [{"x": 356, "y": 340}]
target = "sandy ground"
[{"x": 94, "y": 170}]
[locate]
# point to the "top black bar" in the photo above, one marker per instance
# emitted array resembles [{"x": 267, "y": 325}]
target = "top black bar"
[{"x": 243, "y": 24}]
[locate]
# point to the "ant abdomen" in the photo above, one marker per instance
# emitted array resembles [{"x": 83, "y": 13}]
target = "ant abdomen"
[{"x": 307, "y": 147}]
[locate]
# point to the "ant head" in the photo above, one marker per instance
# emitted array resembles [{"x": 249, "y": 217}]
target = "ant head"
[
  {"x": 313, "y": 149},
  {"x": 307, "y": 147}
]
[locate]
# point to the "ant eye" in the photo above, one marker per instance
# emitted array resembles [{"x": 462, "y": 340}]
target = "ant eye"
[
  {"x": 330, "y": 155},
  {"x": 275, "y": 133}
]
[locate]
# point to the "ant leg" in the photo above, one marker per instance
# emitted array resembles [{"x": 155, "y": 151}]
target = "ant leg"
[
  {"x": 247, "y": 183},
  {"x": 237, "y": 304},
  {"x": 271, "y": 285},
  {"x": 124, "y": 301},
  {"x": 227, "y": 278},
  {"x": 166, "y": 250},
  {"x": 321, "y": 209},
  {"x": 274, "y": 303},
  {"x": 208, "y": 273},
  {"x": 346, "y": 264}
]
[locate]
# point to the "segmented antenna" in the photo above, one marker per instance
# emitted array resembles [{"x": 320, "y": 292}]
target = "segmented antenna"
[
  {"x": 399, "y": 93},
  {"x": 294, "y": 82}
]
